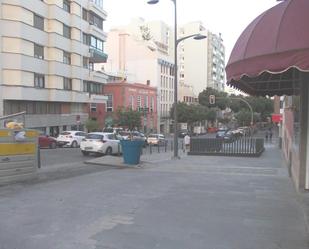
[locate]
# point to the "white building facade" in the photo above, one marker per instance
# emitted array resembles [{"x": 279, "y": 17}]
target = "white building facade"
[
  {"x": 48, "y": 52},
  {"x": 201, "y": 63},
  {"x": 141, "y": 52}
]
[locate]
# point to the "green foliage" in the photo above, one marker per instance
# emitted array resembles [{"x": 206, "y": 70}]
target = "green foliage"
[
  {"x": 128, "y": 118},
  {"x": 92, "y": 125},
  {"x": 222, "y": 102},
  {"x": 190, "y": 113},
  {"x": 211, "y": 115}
]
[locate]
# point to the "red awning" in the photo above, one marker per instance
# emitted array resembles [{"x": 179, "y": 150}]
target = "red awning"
[{"x": 272, "y": 50}]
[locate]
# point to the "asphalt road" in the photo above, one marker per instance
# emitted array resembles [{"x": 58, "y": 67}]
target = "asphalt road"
[{"x": 52, "y": 157}]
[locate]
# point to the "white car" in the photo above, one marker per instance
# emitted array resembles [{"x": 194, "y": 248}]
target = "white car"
[
  {"x": 70, "y": 138},
  {"x": 100, "y": 143},
  {"x": 156, "y": 139}
]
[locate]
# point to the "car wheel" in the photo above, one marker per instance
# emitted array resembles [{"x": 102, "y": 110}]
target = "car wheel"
[
  {"x": 108, "y": 151},
  {"x": 85, "y": 153},
  {"x": 74, "y": 144},
  {"x": 53, "y": 145}
]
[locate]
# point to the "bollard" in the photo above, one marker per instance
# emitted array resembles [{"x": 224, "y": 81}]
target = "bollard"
[
  {"x": 165, "y": 146},
  {"x": 158, "y": 147},
  {"x": 172, "y": 146},
  {"x": 150, "y": 148},
  {"x": 39, "y": 157}
]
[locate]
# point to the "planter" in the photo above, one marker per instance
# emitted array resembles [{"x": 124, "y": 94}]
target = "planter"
[{"x": 131, "y": 151}]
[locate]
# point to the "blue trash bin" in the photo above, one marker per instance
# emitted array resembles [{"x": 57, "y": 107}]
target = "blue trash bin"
[{"x": 131, "y": 151}]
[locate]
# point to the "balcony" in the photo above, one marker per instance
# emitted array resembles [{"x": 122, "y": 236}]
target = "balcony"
[
  {"x": 97, "y": 56},
  {"x": 97, "y": 76},
  {"x": 97, "y": 9},
  {"x": 97, "y": 32}
]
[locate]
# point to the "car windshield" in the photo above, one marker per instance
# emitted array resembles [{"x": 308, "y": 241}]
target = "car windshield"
[
  {"x": 153, "y": 136},
  {"x": 95, "y": 136}
]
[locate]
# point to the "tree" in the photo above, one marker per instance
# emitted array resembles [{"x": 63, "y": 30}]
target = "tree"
[
  {"x": 129, "y": 118},
  {"x": 92, "y": 125},
  {"x": 221, "y": 102},
  {"x": 190, "y": 113}
]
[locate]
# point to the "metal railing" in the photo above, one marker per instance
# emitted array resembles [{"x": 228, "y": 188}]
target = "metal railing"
[{"x": 242, "y": 147}]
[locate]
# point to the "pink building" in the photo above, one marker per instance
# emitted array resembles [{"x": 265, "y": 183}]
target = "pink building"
[{"x": 137, "y": 96}]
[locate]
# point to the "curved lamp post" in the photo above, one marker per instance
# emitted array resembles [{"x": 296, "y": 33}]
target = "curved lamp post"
[{"x": 176, "y": 42}]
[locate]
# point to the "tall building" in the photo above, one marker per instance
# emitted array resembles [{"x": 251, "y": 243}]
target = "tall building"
[
  {"x": 142, "y": 52},
  {"x": 216, "y": 62},
  {"x": 48, "y": 52},
  {"x": 201, "y": 63}
]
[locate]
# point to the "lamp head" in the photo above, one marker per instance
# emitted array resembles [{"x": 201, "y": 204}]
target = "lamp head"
[
  {"x": 199, "y": 37},
  {"x": 153, "y": 1}
]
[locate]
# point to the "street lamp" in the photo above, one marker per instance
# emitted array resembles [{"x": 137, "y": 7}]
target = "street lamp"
[{"x": 176, "y": 42}]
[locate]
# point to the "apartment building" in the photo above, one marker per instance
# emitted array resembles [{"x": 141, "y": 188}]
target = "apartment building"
[
  {"x": 216, "y": 62},
  {"x": 48, "y": 52},
  {"x": 141, "y": 52},
  {"x": 201, "y": 63}
]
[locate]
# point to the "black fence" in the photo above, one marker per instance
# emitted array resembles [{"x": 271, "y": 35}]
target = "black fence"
[
  {"x": 242, "y": 147},
  {"x": 162, "y": 147}
]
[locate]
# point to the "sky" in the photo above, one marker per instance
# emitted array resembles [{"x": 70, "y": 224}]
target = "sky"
[{"x": 228, "y": 17}]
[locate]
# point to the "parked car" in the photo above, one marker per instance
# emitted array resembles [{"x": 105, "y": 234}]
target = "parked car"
[
  {"x": 112, "y": 130},
  {"x": 46, "y": 141},
  {"x": 229, "y": 137},
  {"x": 156, "y": 139},
  {"x": 71, "y": 138},
  {"x": 100, "y": 143},
  {"x": 221, "y": 133},
  {"x": 182, "y": 133}
]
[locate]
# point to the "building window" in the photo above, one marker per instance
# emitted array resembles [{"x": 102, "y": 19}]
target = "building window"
[
  {"x": 96, "y": 21},
  {"x": 93, "y": 107},
  {"x": 38, "y": 22},
  {"x": 99, "y": 3},
  {"x": 67, "y": 83},
  {"x": 66, "y": 58},
  {"x": 85, "y": 62},
  {"x": 96, "y": 43},
  {"x": 38, "y": 51},
  {"x": 66, "y": 6},
  {"x": 66, "y": 31},
  {"x": 132, "y": 102},
  {"x": 39, "y": 80},
  {"x": 92, "y": 87},
  {"x": 85, "y": 14},
  {"x": 146, "y": 104},
  {"x": 152, "y": 104},
  {"x": 86, "y": 39},
  {"x": 139, "y": 102},
  {"x": 109, "y": 103}
]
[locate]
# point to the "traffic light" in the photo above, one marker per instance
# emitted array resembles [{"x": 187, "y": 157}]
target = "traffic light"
[{"x": 212, "y": 99}]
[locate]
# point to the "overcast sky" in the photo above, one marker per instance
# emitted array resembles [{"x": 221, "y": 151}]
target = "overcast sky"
[{"x": 229, "y": 17}]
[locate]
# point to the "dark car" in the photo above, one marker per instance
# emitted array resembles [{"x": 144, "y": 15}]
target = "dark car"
[
  {"x": 221, "y": 133},
  {"x": 46, "y": 141},
  {"x": 182, "y": 133}
]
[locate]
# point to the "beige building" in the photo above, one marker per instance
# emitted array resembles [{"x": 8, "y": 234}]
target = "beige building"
[
  {"x": 48, "y": 52},
  {"x": 141, "y": 52},
  {"x": 201, "y": 63}
]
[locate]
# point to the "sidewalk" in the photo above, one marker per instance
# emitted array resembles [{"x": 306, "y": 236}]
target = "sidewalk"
[{"x": 197, "y": 202}]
